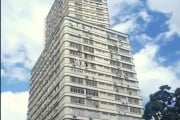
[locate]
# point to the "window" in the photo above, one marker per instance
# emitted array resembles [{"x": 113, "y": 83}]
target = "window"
[
  {"x": 114, "y": 42},
  {"x": 129, "y": 74},
  {"x": 91, "y": 83},
  {"x": 120, "y": 98},
  {"x": 114, "y": 56},
  {"x": 104, "y": 103},
  {"x": 75, "y": 45},
  {"x": 119, "y": 89},
  {"x": 78, "y": 9},
  {"x": 86, "y": 27},
  {"x": 111, "y": 35},
  {"x": 121, "y": 38},
  {"x": 112, "y": 48},
  {"x": 76, "y": 70},
  {"x": 90, "y": 42},
  {"x": 78, "y": 112},
  {"x": 133, "y": 100},
  {"x": 113, "y": 114},
  {"x": 135, "y": 110},
  {"x": 76, "y": 53},
  {"x": 132, "y": 92},
  {"x": 76, "y": 80},
  {"x": 127, "y": 52},
  {"x": 77, "y": 90},
  {"x": 78, "y": 1},
  {"x": 131, "y": 83},
  {"x": 124, "y": 39},
  {"x": 93, "y": 114},
  {"x": 110, "y": 95},
  {"x": 88, "y": 49},
  {"x": 92, "y": 103},
  {"x": 78, "y": 16},
  {"x": 104, "y": 113},
  {"x": 100, "y": 19},
  {"x": 77, "y": 100},
  {"x": 101, "y": 83},
  {"x": 100, "y": 14},
  {"x": 87, "y": 34},
  {"x": 127, "y": 66},
  {"x": 89, "y": 57},
  {"x": 114, "y": 63},
  {"x": 76, "y": 62},
  {"x": 91, "y": 92},
  {"x": 109, "y": 85},
  {"x": 123, "y": 108},
  {"x": 90, "y": 65},
  {"x": 99, "y": 10},
  {"x": 98, "y": 0},
  {"x": 113, "y": 70},
  {"x": 101, "y": 75},
  {"x": 124, "y": 58},
  {"x": 118, "y": 72}
]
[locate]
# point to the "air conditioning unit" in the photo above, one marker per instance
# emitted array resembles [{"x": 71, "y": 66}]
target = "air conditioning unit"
[
  {"x": 86, "y": 76},
  {"x": 97, "y": 106},
  {"x": 117, "y": 90},
  {"x": 74, "y": 116},
  {"x": 125, "y": 76},
  {"x": 90, "y": 118},
  {"x": 79, "y": 50},
  {"x": 88, "y": 97}
]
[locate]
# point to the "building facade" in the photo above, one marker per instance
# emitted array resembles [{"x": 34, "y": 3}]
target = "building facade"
[{"x": 86, "y": 70}]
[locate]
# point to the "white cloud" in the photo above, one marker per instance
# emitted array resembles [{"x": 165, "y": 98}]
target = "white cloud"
[
  {"x": 27, "y": 19},
  {"x": 143, "y": 38},
  {"x": 145, "y": 16},
  {"x": 168, "y": 7},
  {"x": 23, "y": 25},
  {"x": 129, "y": 23},
  {"x": 124, "y": 15},
  {"x": 152, "y": 74},
  {"x": 22, "y": 35},
  {"x": 177, "y": 52},
  {"x": 119, "y": 7},
  {"x": 14, "y": 105},
  {"x": 3, "y": 73},
  {"x": 176, "y": 69},
  {"x": 15, "y": 65},
  {"x": 126, "y": 27},
  {"x": 18, "y": 73}
]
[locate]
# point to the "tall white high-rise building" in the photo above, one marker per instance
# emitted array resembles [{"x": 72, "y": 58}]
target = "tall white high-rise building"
[{"x": 86, "y": 70}]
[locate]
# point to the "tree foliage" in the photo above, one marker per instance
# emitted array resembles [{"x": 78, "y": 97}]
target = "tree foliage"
[{"x": 163, "y": 105}]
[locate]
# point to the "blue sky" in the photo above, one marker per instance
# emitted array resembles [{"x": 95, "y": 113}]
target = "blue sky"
[{"x": 154, "y": 30}]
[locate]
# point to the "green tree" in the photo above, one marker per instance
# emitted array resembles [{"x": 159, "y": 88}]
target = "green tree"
[{"x": 163, "y": 105}]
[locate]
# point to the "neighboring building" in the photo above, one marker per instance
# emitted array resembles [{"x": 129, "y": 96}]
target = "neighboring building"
[{"x": 86, "y": 70}]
